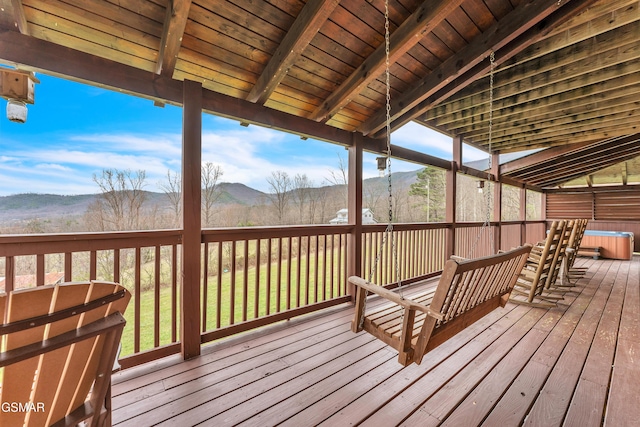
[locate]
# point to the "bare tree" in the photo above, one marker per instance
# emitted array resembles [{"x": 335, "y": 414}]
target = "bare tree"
[
  {"x": 280, "y": 185},
  {"x": 122, "y": 198},
  {"x": 340, "y": 179},
  {"x": 172, "y": 188},
  {"x": 211, "y": 173},
  {"x": 301, "y": 195}
]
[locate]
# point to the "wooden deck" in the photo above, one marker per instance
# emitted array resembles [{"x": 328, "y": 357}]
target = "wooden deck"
[{"x": 574, "y": 365}]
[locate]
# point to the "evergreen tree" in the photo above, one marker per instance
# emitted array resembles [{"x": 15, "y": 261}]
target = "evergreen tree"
[{"x": 431, "y": 186}]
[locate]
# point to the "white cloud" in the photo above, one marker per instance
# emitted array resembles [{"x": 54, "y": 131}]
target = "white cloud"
[
  {"x": 421, "y": 138},
  {"x": 53, "y": 166}
]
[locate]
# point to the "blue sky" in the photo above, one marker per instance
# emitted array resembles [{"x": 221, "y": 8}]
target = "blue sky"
[{"x": 74, "y": 131}]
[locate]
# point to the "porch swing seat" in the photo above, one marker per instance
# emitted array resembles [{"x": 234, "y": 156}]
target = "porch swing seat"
[{"x": 466, "y": 292}]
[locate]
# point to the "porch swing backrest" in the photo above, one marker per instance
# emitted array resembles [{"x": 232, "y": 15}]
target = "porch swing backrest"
[{"x": 466, "y": 292}]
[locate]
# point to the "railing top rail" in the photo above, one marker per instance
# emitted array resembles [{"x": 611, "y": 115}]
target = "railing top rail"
[
  {"x": 252, "y": 233},
  {"x": 36, "y": 244}
]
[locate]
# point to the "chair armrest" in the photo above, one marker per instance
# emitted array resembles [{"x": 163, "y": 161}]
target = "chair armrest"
[{"x": 394, "y": 297}]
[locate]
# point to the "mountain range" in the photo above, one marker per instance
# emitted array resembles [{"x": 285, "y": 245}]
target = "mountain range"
[{"x": 23, "y": 207}]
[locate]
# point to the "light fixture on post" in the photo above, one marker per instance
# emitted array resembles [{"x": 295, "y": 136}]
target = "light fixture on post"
[
  {"x": 382, "y": 165},
  {"x": 480, "y": 185},
  {"x": 18, "y": 88}
]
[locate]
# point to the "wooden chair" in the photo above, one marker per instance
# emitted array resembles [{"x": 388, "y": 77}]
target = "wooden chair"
[
  {"x": 466, "y": 292},
  {"x": 559, "y": 257},
  {"x": 530, "y": 288},
  {"x": 575, "y": 242},
  {"x": 59, "y": 344}
]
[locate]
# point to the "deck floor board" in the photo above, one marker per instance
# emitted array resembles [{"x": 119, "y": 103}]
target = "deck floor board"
[{"x": 570, "y": 365}]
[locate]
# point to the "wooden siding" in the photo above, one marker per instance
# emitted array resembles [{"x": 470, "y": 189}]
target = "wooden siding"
[{"x": 519, "y": 365}]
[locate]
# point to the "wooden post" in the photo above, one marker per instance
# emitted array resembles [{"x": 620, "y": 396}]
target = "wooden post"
[
  {"x": 497, "y": 202},
  {"x": 523, "y": 215},
  {"x": 450, "y": 200},
  {"x": 354, "y": 240},
  {"x": 191, "y": 223}
]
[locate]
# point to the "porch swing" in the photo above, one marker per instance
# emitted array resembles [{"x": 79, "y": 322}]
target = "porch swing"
[{"x": 468, "y": 289}]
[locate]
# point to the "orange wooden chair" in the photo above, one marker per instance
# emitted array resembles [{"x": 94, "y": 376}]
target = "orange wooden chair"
[{"x": 59, "y": 344}]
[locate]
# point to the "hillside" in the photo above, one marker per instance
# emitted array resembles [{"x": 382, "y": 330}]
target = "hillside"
[{"x": 20, "y": 208}]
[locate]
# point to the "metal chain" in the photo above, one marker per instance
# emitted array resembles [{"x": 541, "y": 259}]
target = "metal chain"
[
  {"x": 389, "y": 230},
  {"x": 489, "y": 194}
]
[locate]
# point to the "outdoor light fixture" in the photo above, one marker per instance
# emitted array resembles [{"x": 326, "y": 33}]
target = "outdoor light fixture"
[
  {"x": 480, "y": 186},
  {"x": 16, "y": 111},
  {"x": 382, "y": 165},
  {"x": 18, "y": 88}
]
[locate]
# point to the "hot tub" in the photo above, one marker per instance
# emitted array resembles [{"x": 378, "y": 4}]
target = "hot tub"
[{"x": 613, "y": 244}]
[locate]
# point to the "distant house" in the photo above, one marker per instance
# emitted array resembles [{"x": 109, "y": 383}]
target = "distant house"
[{"x": 342, "y": 217}]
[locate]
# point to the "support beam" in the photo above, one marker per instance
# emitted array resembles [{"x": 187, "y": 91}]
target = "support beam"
[
  {"x": 175, "y": 21},
  {"x": 191, "y": 219},
  {"x": 497, "y": 203},
  {"x": 422, "y": 21},
  {"x": 43, "y": 56},
  {"x": 522, "y": 215},
  {"x": 450, "y": 197},
  {"x": 309, "y": 21},
  {"x": 354, "y": 239}
]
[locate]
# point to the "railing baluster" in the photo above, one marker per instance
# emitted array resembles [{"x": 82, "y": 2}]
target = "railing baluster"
[
  {"x": 232, "y": 288},
  {"x": 245, "y": 282},
  {"x": 116, "y": 265},
  {"x": 205, "y": 286},
  {"x": 174, "y": 292},
  {"x": 93, "y": 261},
  {"x": 10, "y": 273},
  {"x": 268, "y": 291},
  {"x": 137, "y": 296},
  {"x": 333, "y": 271},
  {"x": 324, "y": 267},
  {"x": 40, "y": 270},
  {"x": 309, "y": 287},
  {"x": 279, "y": 277},
  {"x": 299, "y": 273},
  {"x": 219, "y": 287},
  {"x": 289, "y": 257},
  {"x": 256, "y": 285},
  {"x": 68, "y": 261},
  {"x": 157, "y": 297}
]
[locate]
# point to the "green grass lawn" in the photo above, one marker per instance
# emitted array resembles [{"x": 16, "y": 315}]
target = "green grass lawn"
[{"x": 308, "y": 291}]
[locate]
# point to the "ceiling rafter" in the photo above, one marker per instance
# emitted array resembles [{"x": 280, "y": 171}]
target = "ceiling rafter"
[
  {"x": 592, "y": 55},
  {"x": 557, "y": 153},
  {"x": 311, "y": 18},
  {"x": 20, "y": 17},
  {"x": 422, "y": 21},
  {"x": 563, "y": 164},
  {"x": 585, "y": 155},
  {"x": 572, "y": 167},
  {"x": 175, "y": 22},
  {"x": 523, "y": 26},
  {"x": 508, "y": 28}
]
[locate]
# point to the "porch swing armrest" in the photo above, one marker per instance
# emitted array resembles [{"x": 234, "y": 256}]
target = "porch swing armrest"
[{"x": 394, "y": 297}]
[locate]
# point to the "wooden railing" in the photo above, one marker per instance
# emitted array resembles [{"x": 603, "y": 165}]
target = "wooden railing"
[
  {"x": 146, "y": 263},
  {"x": 250, "y": 276},
  {"x": 260, "y": 275},
  {"x": 420, "y": 251}
]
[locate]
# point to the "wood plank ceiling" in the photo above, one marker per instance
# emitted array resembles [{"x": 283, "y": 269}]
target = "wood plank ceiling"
[{"x": 566, "y": 71}]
